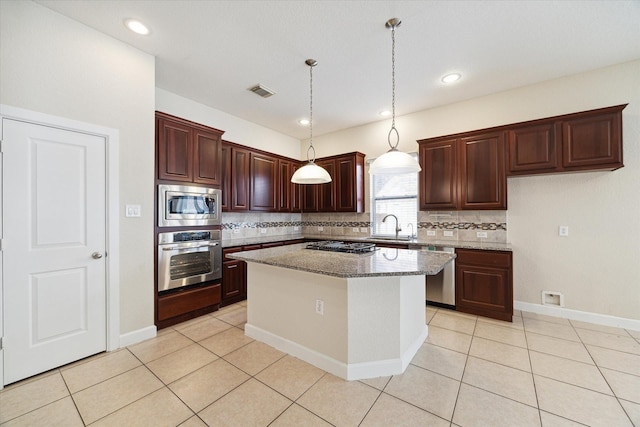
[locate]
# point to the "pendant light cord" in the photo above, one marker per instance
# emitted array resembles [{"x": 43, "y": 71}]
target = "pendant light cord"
[
  {"x": 393, "y": 89},
  {"x": 311, "y": 114}
]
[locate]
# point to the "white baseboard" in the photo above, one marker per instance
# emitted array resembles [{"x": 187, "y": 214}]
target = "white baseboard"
[
  {"x": 350, "y": 371},
  {"x": 136, "y": 336},
  {"x": 583, "y": 316}
]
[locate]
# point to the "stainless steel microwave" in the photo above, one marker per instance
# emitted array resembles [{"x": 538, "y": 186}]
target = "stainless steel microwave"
[{"x": 183, "y": 205}]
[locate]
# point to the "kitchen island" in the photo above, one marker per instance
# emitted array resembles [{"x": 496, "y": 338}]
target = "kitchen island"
[{"x": 353, "y": 315}]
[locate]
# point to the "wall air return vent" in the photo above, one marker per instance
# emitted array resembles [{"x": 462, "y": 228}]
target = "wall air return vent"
[{"x": 264, "y": 92}]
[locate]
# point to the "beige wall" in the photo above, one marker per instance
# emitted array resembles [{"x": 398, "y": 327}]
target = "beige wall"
[
  {"x": 53, "y": 65},
  {"x": 596, "y": 266}
]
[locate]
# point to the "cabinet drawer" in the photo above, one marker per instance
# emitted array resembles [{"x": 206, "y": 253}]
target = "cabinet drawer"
[
  {"x": 483, "y": 258},
  {"x": 175, "y": 304}
]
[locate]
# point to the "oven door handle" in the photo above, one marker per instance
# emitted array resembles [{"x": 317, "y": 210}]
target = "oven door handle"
[{"x": 186, "y": 248}]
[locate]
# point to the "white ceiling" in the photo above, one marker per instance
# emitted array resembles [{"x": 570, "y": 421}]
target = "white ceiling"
[{"x": 213, "y": 51}]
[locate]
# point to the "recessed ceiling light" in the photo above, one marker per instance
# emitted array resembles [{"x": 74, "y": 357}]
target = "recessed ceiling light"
[
  {"x": 136, "y": 26},
  {"x": 385, "y": 113},
  {"x": 303, "y": 122},
  {"x": 450, "y": 78}
]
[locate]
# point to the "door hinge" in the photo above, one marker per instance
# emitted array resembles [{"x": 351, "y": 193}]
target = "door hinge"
[{"x": 1, "y": 342}]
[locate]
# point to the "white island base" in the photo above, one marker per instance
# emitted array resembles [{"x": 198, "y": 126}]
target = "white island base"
[{"x": 371, "y": 326}]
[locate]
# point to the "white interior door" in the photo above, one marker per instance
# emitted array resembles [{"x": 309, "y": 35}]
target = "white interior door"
[{"x": 53, "y": 250}]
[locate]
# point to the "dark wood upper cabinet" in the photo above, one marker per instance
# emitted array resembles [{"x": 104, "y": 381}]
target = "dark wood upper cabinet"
[
  {"x": 175, "y": 151},
  {"x": 187, "y": 151},
  {"x": 264, "y": 183},
  {"x": 482, "y": 179},
  {"x": 345, "y": 192},
  {"x": 327, "y": 192},
  {"x": 296, "y": 190},
  {"x": 534, "y": 148},
  {"x": 226, "y": 176},
  {"x": 350, "y": 183},
  {"x": 438, "y": 178},
  {"x": 207, "y": 160},
  {"x": 593, "y": 140},
  {"x": 465, "y": 171},
  {"x": 589, "y": 140},
  {"x": 284, "y": 185},
  {"x": 240, "y": 161}
]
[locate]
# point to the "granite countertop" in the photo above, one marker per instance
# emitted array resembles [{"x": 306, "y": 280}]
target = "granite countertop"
[{"x": 381, "y": 262}]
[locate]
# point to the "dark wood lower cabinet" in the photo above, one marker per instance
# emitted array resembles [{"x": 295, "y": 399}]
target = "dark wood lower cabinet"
[
  {"x": 176, "y": 307},
  {"x": 484, "y": 283}
]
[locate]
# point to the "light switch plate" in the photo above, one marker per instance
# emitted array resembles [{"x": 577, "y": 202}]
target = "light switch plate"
[
  {"x": 563, "y": 231},
  {"x": 132, "y": 211}
]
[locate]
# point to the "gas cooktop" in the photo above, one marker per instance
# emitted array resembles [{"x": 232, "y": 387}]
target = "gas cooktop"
[{"x": 348, "y": 247}]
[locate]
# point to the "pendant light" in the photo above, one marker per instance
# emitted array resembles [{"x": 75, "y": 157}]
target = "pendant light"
[
  {"x": 311, "y": 173},
  {"x": 394, "y": 161}
]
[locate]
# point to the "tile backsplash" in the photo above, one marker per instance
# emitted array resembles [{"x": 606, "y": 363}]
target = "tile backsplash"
[
  {"x": 446, "y": 225},
  {"x": 463, "y": 225}
]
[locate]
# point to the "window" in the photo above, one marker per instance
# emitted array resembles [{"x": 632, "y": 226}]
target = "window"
[{"x": 397, "y": 195}]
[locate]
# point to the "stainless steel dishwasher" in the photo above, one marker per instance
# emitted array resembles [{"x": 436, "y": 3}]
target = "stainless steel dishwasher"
[{"x": 441, "y": 288}]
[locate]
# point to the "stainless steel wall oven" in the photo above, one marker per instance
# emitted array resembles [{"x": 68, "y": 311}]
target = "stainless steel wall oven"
[{"x": 188, "y": 257}]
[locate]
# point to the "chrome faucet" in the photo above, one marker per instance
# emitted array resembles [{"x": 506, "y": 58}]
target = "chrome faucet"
[
  {"x": 412, "y": 235},
  {"x": 398, "y": 229}
]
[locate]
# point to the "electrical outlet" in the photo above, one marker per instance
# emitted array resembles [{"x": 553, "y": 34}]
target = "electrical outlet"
[
  {"x": 132, "y": 211},
  {"x": 320, "y": 228},
  {"x": 236, "y": 231},
  {"x": 355, "y": 229},
  {"x": 364, "y": 229},
  {"x": 320, "y": 307},
  {"x": 431, "y": 232},
  {"x": 563, "y": 231},
  {"x": 481, "y": 234},
  {"x": 448, "y": 233},
  {"x": 263, "y": 231},
  {"x": 296, "y": 228}
]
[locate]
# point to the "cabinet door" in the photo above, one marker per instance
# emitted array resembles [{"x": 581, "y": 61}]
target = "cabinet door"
[
  {"x": 350, "y": 183},
  {"x": 263, "y": 178},
  {"x": 285, "y": 186},
  {"x": 438, "y": 180},
  {"x": 225, "y": 172},
  {"x": 534, "y": 149},
  {"x": 239, "y": 179},
  {"x": 592, "y": 141},
  {"x": 484, "y": 291},
  {"x": 175, "y": 151},
  {"x": 207, "y": 160},
  {"x": 310, "y": 197},
  {"x": 234, "y": 281},
  {"x": 482, "y": 180},
  {"x": 296, "y": 190},
  {"x": 327, "y": 192}
]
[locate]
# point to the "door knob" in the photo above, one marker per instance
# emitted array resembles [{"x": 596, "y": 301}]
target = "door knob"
[{"x": 96, "y": 255}]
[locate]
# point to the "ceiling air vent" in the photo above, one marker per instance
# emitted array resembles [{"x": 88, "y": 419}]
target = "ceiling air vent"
[{"x": 264, "y": 92}]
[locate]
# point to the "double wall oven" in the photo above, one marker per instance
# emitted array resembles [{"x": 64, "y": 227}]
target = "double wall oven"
[{"x": 190, "y": 250}]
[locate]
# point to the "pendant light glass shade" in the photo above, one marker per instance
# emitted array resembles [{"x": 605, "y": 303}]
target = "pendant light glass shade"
[
  {"x": 311, "y": 173},
  {"x": 394, "y": 161}
]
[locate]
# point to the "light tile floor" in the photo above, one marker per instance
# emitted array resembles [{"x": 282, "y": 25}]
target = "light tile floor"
[{"x": 471, "y": 371}]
